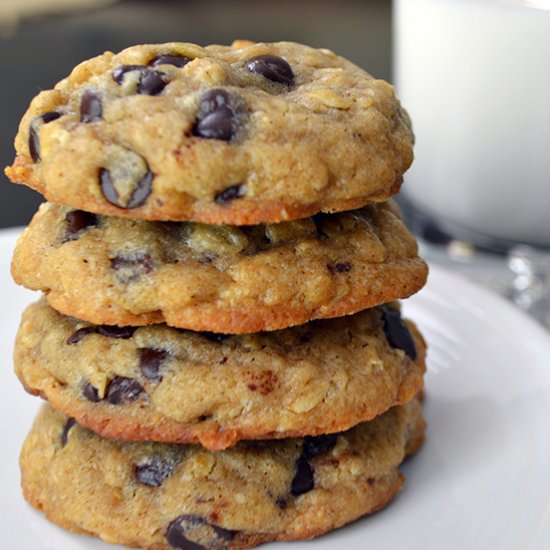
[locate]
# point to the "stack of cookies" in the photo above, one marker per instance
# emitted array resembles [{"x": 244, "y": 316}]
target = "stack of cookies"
[{"x": 218, "y": 342}]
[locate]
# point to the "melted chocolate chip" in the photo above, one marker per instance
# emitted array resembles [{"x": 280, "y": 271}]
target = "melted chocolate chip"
[
  {"x": 313, "y": 446},
  {"x": 113, "y": 331},
  {"x": 91, "y": 108},
  {"x": 34, "y": 142},
  {"x": 154, "y": 473},
  {"x": 339, "y": 267},
  {"x": 303, "y": 480},
  {"x": 272, "y": 67},
  {"x": 396, "y": 331},
  {"x": 139, "y": 194},
  {"x": 218, "y": 116},
  {"x": 150, "y": 362},
  {"x": 78, "y": 220},
  {"x": 103, "y": 330},
  {"x": 123, "y": 390},
  {"x": 189, "y": 532},
  {"x": 79, "y": 334},
  {"x": 171, "y": 59},
  {"x": 65, "y": 433},
  {"x": 143, "y": 260},
  {"x": 151, "y": 82},
  {"x": 90, "y": 393},
  {"x": 318, "y": 445},
  {"x": 130, "y": 269},
  {"x": 230, "y": 194}
]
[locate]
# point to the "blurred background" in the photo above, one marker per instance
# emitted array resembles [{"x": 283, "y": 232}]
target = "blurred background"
[{"x": 41, "y": 40}]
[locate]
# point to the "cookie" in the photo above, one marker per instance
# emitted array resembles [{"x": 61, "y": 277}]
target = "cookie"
[
  {"x": 164, "y": 384},
  {"x": 239, "y": 134},
  {"x": 161, "y": 496},
  {"x": 227, "y": 279}
]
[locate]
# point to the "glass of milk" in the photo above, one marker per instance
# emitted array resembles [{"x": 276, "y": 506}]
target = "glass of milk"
[{"x": 475, "y": 77}]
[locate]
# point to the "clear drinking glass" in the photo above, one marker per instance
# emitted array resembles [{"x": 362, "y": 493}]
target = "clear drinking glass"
[{"x": 475, "y": 78}]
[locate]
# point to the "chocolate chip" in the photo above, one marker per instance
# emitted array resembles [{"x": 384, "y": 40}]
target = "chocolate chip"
[
  {"x": 154, "y": 472},
  {"x": 171, "y": 59},
  {"x": 142, "y": 191},
  {"x": 214, "y": 336},
  {"x": 91, "y": 108},
  {"x": 150, "y": 362},
  {"x": 318, "y": 220},
  {"x": 218, "y": 115},
  {"x": 48, "y": 117},
  {"x": 107, "y": 187},
  {"x": 123, "y": 390},
  {"x": 318, "y": 445},
  {"x": 303, "y": 480},
  {"x": 281, "y": 503},
  {"x": 151, "y": 82},
  {"x": 132, "y": 268},
  {"x": 189, "y": 532},
  {"x": 79, "y": 334},
  {"x": 90, "y": 393},
  {"x": 339, "y": 267},
  {"x": 313, "y": 446},
  {"x": 78, "y": 220},
  {"x": 230, "y": 194},
  {"x": 65, "y": 433},
  {"x": 119, "y": 72},
  {"x": 113, "y": 331},
  {"x": 139, "y": 195},
  {"x": 272, "y": 67},
  {"x": 396, "y": 331},
  {"x": 216, "y": 125},
  {"x": 34, "y": 142}
]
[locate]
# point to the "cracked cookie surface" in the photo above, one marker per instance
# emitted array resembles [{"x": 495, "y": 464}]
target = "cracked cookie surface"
[
  {"x": 239, "y": 134},
  {"x": 162, "y": 497},
  {"x": 164, "y": 384},
  {"x": 109, "y": 270}
]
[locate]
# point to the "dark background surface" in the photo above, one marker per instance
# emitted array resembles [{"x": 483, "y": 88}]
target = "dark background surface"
[{"x": 43, "y": 50}]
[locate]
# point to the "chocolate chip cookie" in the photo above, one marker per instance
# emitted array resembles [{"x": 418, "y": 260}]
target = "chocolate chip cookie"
[
  {"x": 161, "y": 496},
  {"x": 239, "y": 134},
  {"x": 164, "y": 384},
  {"x": 228, "y": 279}
]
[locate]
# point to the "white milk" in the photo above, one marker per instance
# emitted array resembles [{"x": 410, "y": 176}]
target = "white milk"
[{"x": 475, "y": 78}]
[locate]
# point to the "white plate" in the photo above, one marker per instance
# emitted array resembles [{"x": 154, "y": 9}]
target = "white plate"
[{"x": 481, "y": 482}]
